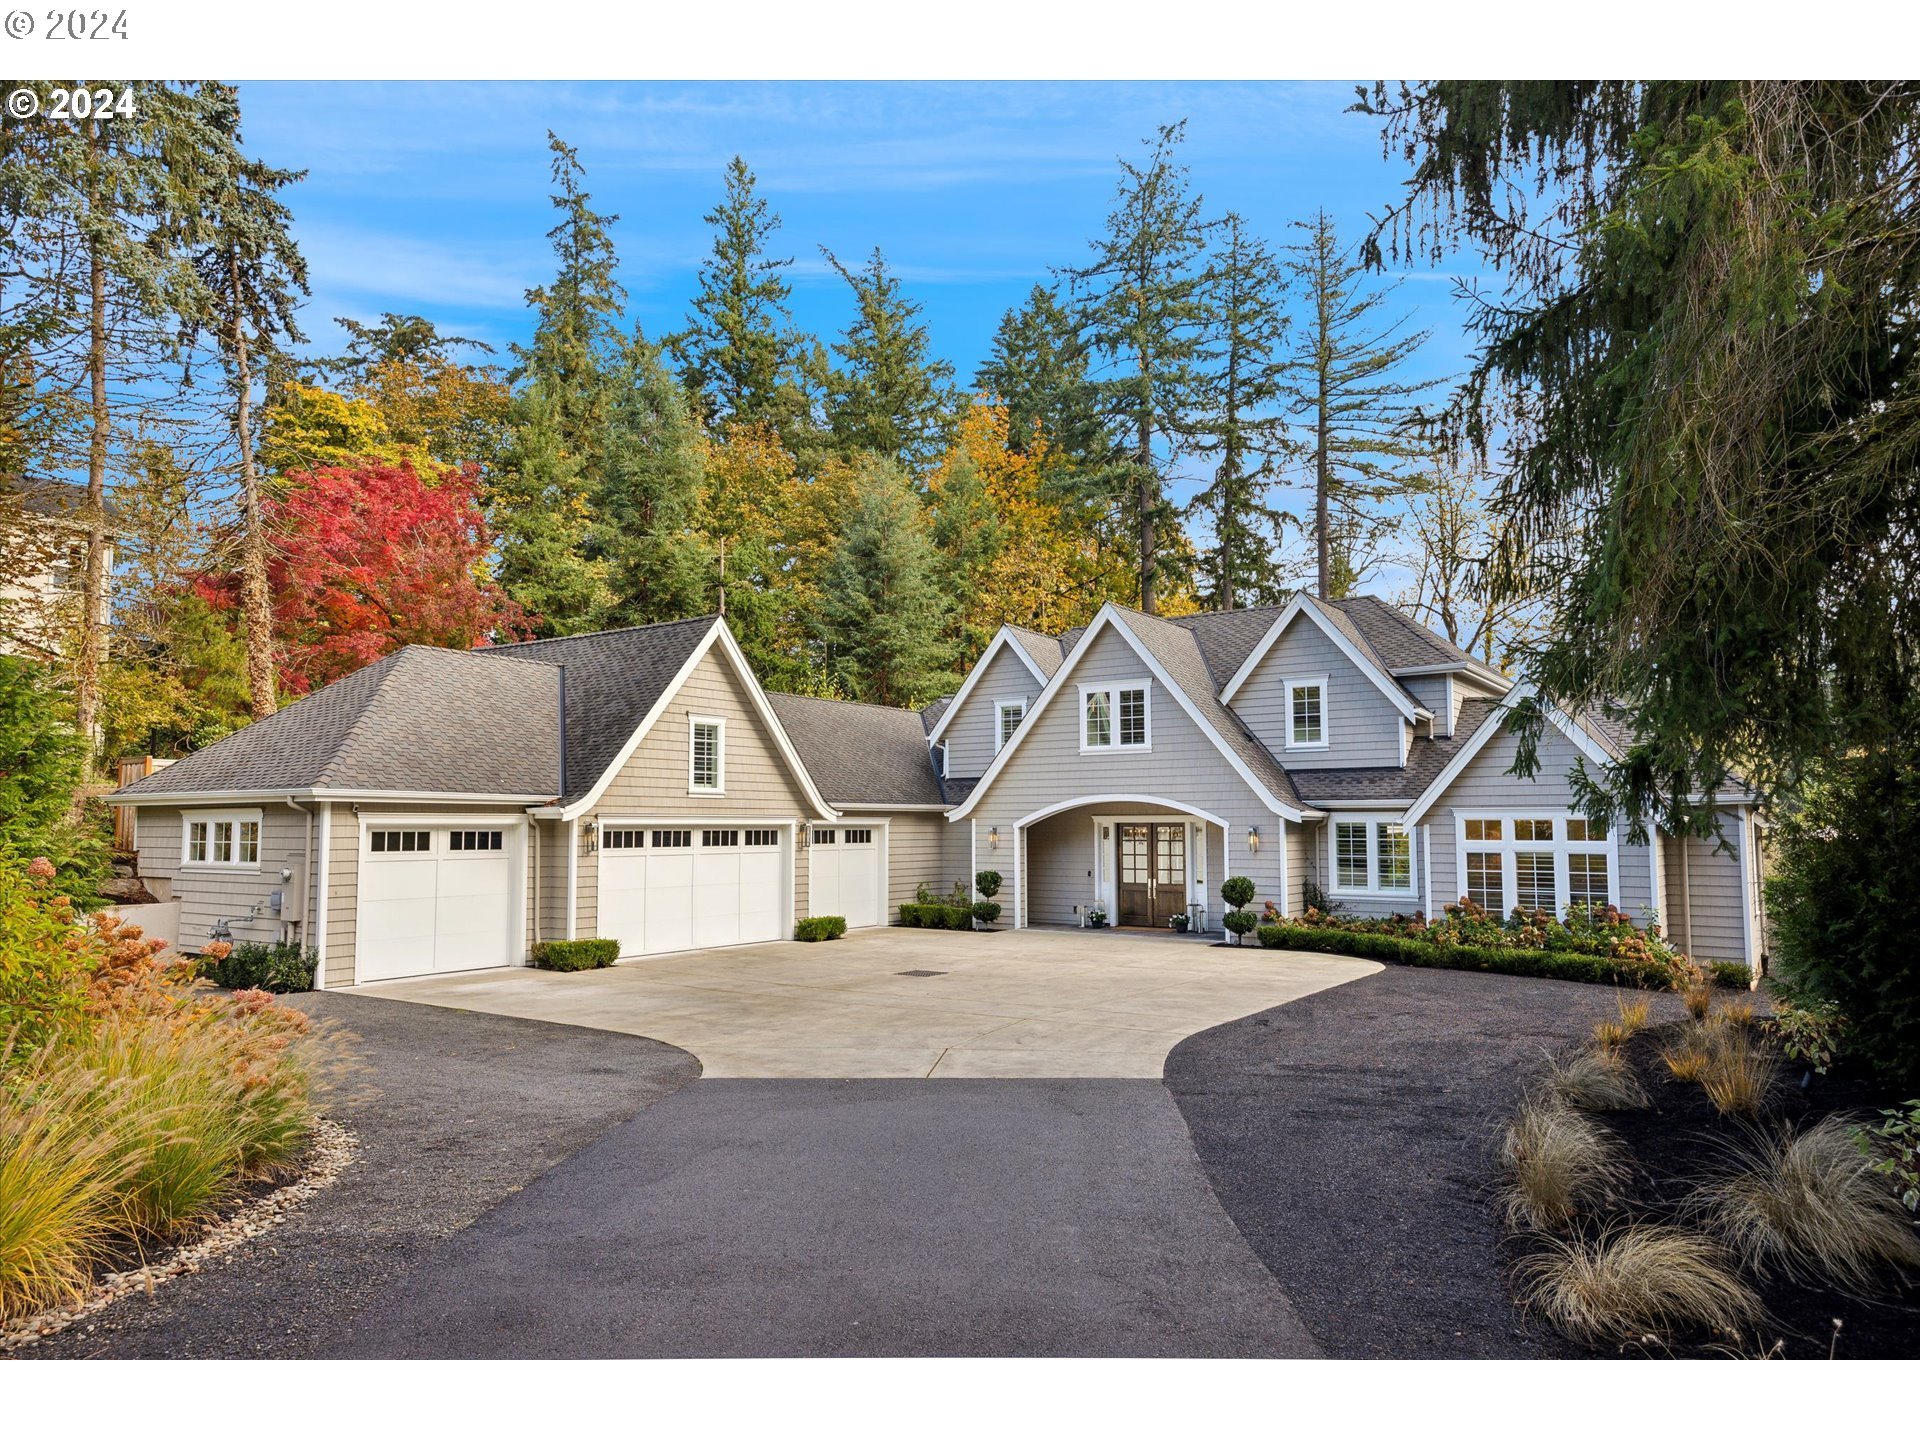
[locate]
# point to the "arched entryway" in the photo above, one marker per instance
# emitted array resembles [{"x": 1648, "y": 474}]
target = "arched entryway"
[{"x": 1141, "y": 858}]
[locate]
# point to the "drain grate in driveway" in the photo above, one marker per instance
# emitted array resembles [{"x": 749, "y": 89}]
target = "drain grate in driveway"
[{"x": 920, "y": 974}]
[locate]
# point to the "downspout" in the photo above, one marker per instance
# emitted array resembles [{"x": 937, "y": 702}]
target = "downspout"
[
  {"x": 306, "y": 863},
  {"x": 1686, "y": 890},
  {"x": 323, "y": 855}
]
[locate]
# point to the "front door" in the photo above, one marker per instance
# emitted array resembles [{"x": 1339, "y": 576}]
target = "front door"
[{"x": 1152, "y": 872}]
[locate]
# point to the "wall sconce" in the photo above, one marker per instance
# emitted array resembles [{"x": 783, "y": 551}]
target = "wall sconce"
[
  {"x": 804, "y": 829},
  {"x": 593, "y": 837},
  {"x": 993, "y": 838},
  {"x": 1253, "y": 838}
]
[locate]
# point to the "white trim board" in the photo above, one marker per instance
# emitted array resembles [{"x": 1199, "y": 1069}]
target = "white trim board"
[
  {"x": 1303, "y": 604},
  {"x": 1109, "y": 618},
  {"x": 1002, "y": 639}
]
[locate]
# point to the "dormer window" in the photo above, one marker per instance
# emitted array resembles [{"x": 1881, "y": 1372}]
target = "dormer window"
[
  {"x": 1115, "y": 717},
  {"x": 1007, "y": 715},
  {"x": 1307, "y": 713}
]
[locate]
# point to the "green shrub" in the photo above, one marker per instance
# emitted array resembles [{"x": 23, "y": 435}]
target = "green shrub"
[
  {"x": 44, "y": 765},
  {"x": 1237, "y": 891},
  {"x": 821, "y": 927},
  {"x": 576, "y": 954},
  {"x": 1730, "y": 974},
  {"x": 1893, "y": 1146},
  {"x": 1402, "y": 950},
  {"x": 987, "y": 882},
  {"x": 282, "y": 969},
  {"x": 937, "y": 915},
  {"x": 986, "y": 911},
  {"x": 1240, "y": 922},
  {"x": 42, "y": 972},
  {"x": 1811, "y": 1032},
  {"x": 1843, "y": 930}
]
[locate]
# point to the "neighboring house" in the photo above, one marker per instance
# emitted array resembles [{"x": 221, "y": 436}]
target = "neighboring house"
[
  {"x": 444, "y": 810},
  {"x": 44, "y": 533}
]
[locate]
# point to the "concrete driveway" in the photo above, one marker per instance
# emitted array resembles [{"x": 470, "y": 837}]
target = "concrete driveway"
[{"x": 1028, "y": 1004}]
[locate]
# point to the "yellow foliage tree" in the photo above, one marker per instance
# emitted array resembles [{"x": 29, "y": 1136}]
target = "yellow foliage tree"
[{"x": 433, "y": 417}]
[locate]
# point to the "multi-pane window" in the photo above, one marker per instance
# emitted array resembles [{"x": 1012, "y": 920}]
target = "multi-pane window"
[
  {"x": 623, "y": 839},
  {"x": 1306, "y": 705},
  {"x": 1393, "y": 851},
  {"x": 401, "y": 842},
  {"x": 824, "y": 837},
  {"x": 475, "y": 839},
  {"x": 1350, "y": 854},
  {"x": 1533, "y": 878},
  {"x": 763, "y": 837},
  {"x": 857, "y": 837},
  {"x": 719, "y": 839},
  {"x": 1581, "y": 828},
  {"x": 1533, "y": 829},
  {"x": 705, "y": 764},
  {"x": 1099, "y": 726},
  {"x": 1485, "y": 885},
  {"x": 672, "y": 839},
  {"x": 1483, "y": 829},
  {"x": 222, "y": 840},
  {"x": 1586, "y": 880},
  {"x": 1115, "y": 716},
  {"x": 1007, "y": 717}
]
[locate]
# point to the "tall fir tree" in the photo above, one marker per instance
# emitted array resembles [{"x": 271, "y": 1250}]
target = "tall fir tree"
[
  {"x": 252, "y": 280},
  {"x": 888, "y": 394},
  {"x": 1241, "y": 420},
  {"x": 1349, "y": 392},
  {"x": 882, "y": 611},
  {"x": 541, "y": 500},
  {"x": 1141, "y": 306},
  {"x": 740, "y": 353},
  {"x": 1038, "y": 369},
  {"x": 650, "y": 494}
]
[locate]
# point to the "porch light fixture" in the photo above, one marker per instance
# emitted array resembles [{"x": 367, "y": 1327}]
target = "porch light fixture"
[
  {"x": 993, "y": 838},
  {"x": 1253, "y": 838},
  {"x": 592, "y": 833}
]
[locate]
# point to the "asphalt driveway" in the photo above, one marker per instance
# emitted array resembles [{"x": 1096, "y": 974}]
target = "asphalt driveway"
[{"x": 1026, "y": 1004}]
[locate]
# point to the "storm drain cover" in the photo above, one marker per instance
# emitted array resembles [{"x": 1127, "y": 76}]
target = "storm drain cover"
[{"x": 920, "y": 974}]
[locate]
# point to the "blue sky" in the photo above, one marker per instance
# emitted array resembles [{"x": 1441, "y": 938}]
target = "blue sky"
[{"x": 431, "y": 198}]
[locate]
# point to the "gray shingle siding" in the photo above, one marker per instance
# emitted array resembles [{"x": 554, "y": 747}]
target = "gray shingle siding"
[
  {"x": 969, "y": 736},
  {"x": 1704, "y": 919},
  {"x": 1363, "y": 728}
]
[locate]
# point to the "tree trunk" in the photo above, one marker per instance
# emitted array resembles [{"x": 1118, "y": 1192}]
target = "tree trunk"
[
  {"x": 1145, "y": 498},
  {"x": 1322, "y": 509},
  {"x": 256, "y": 602},
  {"x": 93, "y": 590}
]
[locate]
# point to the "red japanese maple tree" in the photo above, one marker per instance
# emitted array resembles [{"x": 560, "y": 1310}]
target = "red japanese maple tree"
[{"x": 372, "y": 557}]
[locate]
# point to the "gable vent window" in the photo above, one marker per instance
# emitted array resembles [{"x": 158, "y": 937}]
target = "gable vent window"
[
  {"x": 706, "y": 762},
  {"x": 1007, "y": 717},
  {"x": 1116, "y": 717},
  {"x": 623, "y": 839},
  {"x": 402, "y": 842},
  {"x": 475, "y": 839},
  {"x": 672, "y": 839},
  {"x": 1306, "y": 714}
]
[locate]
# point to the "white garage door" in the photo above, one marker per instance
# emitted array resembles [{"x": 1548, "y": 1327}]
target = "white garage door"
[
  {"x": 691, "y": 886},
  {"x": 434, "y": 898},
  {"x": 843, "y": 869}
]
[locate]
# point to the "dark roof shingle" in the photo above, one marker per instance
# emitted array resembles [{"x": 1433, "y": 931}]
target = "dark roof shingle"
[
  {"x": 1425, "y": 760},
  {"x": 860, "y": 754}
]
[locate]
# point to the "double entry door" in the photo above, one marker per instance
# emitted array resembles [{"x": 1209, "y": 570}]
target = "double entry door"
[{"x": 1152, "y": 872}]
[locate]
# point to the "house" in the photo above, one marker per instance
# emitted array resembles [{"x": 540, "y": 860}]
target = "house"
[
  {"x": 442, "y": 810},
  {"x": 43, "y": 532}
]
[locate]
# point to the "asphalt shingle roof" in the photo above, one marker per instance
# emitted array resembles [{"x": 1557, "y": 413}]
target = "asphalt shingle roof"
[
  {"x": 1395, "y": 638},
  {"x": 860, "y": 754},
  {"x": 933, "y": 710},
  {"x": 420, "y": 719},
  {"x": 613, "y": 679},
  {"x": 1047, "y": 650},
  {"x": 1425, "y": 760}
]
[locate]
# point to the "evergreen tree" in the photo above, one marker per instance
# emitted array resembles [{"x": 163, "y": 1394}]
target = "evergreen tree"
[
  {"x": 882, "y": 612},
  {"x": 542, "y": 499},
  {"x": 1241, "y": 419},
  {"x": 252, "y": 278},
  {"x": 1348, "y": 392},
  {"x": 650, "y": 495},
  {"x": 408, "y": 339},
  {"x": 1038, "y": 369},
  {"x": 739, "y": 352},
  {"x": 888, "y": 395},
  {"x": 1140, "y": 305}
]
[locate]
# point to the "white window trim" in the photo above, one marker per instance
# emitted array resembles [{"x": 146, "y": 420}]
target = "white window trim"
[
  {"x": 694, "y": 722},
  {"x": 1560, "y": 846},
  {"x": 1292, "y": 683},
  {"x": 1002, "y": 737},
  {"x": 1112, "y": 689},
  {"x": 1373, "y": 889},
  {"x": 190, "y": 818}
]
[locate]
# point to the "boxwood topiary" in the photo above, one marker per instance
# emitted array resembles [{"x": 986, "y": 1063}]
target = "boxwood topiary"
[
  {"x": 1237, "y": 890},
  {"x": 576, "y": 954},
  {"x": 986, "y": 911},
  {"x": 821, "y": 927},
  {"x": 1240, "y": 922}
]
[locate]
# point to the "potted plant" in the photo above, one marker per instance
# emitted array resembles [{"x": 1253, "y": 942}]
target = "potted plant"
[
  {"x": 1096, "y": 917},
  {"x": 985, "y": 911},
  {"x": 1237, "y": 891},
  {"x": 1179, "y": 922}
]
